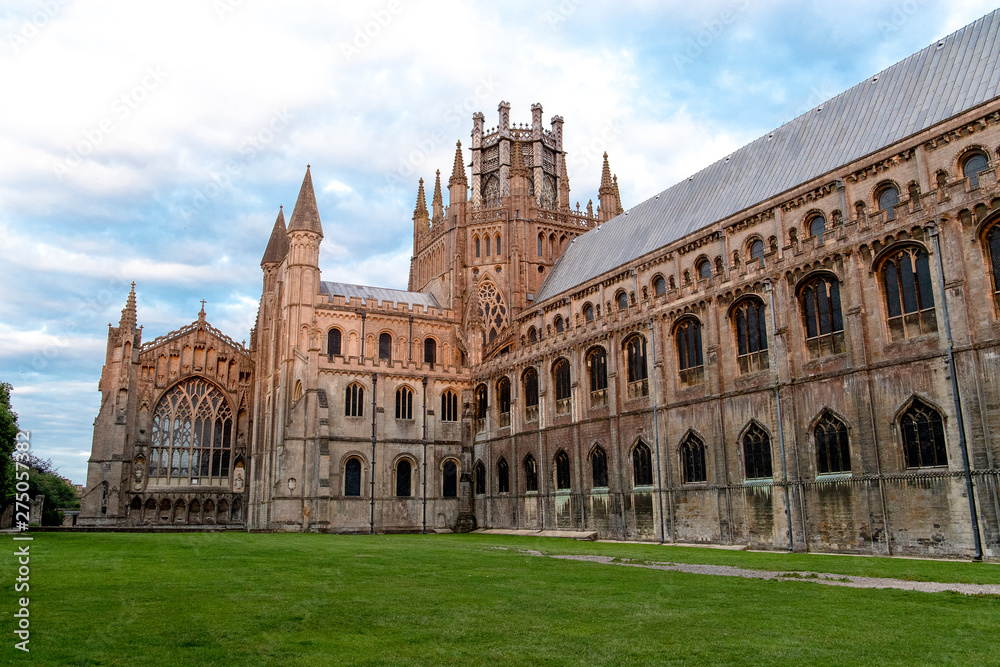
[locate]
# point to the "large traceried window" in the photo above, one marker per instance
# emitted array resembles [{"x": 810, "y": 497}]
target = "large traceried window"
[
  {"x": 192, "y": 434},
  {"x": 923, "y": 436},
  {"x": 597, "y": 369},
  {"x": 635, "y": 357},
  {"x": 530, "y": 381},
  {"x": 690, "y": 362},
  {"x": 751, "y": 335},
  {"x": 909, "y": 297},
  {"x": 492, "y": 308},
  {"x": 820, "y": 298},
  {"x": 833, "y": 452}
]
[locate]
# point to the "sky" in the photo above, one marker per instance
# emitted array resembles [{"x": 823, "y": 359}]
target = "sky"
[{"x": 154, "y": 142}]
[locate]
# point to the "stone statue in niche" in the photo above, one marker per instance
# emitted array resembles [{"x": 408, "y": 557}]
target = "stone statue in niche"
[{"x": 138, "y": 472}]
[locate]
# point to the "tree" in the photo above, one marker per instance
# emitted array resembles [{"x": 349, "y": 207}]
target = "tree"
[
  {"x": 8, "y": 439},
  {"x": 58, "y": 495}
]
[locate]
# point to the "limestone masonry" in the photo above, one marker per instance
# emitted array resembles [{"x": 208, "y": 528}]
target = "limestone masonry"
[{"x": 795, "y": 348}]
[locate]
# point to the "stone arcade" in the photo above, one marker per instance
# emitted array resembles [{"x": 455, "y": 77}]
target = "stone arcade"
[{"x": 757, "y": 355}]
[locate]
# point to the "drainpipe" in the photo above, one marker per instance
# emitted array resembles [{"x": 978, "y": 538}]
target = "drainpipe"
[
  {"x": 362, "y": 355},
  {"x": 656, "y": 436},
  {"x": 424, "y": 383},
  {"x": 781, "y": 429},
  {"x": 963, "y": 445},
  {"x": 371, "y": 522}
]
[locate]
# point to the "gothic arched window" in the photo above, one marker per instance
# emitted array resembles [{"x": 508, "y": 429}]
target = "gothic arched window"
[
  {"x": 503, "y": 402},
  {"x": 909, "y": 297},
  {"x": 492, "y": 308},
  {"x": 479, "y": 479},
  {"x": 635, "y": 358},
  {"x": 449, "y": 406},
  {"x": 354, "y": 401},
  {"x": 597, "y": 369},
  {"x": 558, "y": 324},
  {"x": 751, "y": 335},
  {"x": 690, "y": 362},
  {"x": 757, "y": 252},
  {"x": 972, "y": 166},
  {"x": 475, "y": 240},
  {"x": 993, "y": 241},
  {"x": 923, "y": 436},
  {"x": 530, "y": 381},
  {"x": 532, "y": 335},
  {"x": 352, "y": 477},
  {"x": 562, "y": 471},
  {"x": 385, "y": 347},
  {"x": 693, "y": 459},
  {"x": 541, "y": 245},
  {"x": 192, "y": 435},
  {"x": 588, "y": 313},
  {"x": 833, "y": 452},
  {"x": 642, "y": 465},
  {"x": 530, "y": 473},
  {"x": 449, "y": 486},
  {"x": 403, "y": 485},
  {"x": 503, "y": 476},
  {"x": 561, "y": 380},
  {"x": 499, "y": 252},
  {"x": 757, "y": 453},
  {"x": 704, "y": 269},
  {"x": 333, "y": 338},
  {"x": 622, "y": 299},
  {"x": 599, "y": 467},
  {"x": 491, "y": 192},
  {"x": 887, "y": 197},
  {"x": 404, "y": 403},
  {"x": 824, "y": 324}
]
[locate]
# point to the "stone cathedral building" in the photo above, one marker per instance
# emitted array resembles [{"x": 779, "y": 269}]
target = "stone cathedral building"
[{"x": 796, "y": 347}]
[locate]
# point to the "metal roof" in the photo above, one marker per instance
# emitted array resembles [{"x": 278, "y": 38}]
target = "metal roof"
[
  {"x": 378, "y": 294},
  {"x": 947, "y": 78}
]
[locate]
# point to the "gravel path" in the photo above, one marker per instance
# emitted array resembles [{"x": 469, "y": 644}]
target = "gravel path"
[{"x": 812, "y": 577}]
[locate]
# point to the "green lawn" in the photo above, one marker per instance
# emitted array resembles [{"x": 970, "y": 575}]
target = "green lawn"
[{"x": 242, "y": 599}]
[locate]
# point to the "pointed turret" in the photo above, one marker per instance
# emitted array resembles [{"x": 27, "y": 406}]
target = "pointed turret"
[
  {"x": 563, "y": 184},
  {"x": 437, "y": 204},
  {"x": 607, "y": 209},
  {"x": 458, "y": 184},
  {"x": 517, "y": 167},
  {"x": 305, "y": 215},
  {"x": 128, "y": 321},
  {"x": 421, "y": 218},
  {"x": 618, "y": 196},
  {"x": 277, "y": 245}
]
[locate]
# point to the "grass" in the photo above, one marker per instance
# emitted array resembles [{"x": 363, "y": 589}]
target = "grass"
[{"x": 242, "y": 599}]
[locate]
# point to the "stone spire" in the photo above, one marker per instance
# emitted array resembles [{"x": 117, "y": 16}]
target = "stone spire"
[
  {"x": 277, "y": 246},
  {"x": 128, "y": 321},
  {"x": 305, "y": 215},
  {"x": 458, "y": 171},
  {"x": 563, "y": 183},
  {"x": 437, "y": 204},
  {"x": 608, "y": 208},
  {"x": 618, "y": 196},
  {"x": 421, "y": 218}
]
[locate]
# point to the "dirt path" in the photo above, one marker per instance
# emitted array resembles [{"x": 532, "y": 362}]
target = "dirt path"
[{"x": 813, "y": 577}]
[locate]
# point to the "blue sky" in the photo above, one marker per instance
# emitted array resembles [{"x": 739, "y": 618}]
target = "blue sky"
[{"x": 155, "y": 142}]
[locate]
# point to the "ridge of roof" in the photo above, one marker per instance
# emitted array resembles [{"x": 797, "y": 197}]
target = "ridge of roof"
[{"x": 949, "y": 77}]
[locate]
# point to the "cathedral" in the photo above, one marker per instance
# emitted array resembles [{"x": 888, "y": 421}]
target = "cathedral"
[{"x": 794, "y": 348}]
